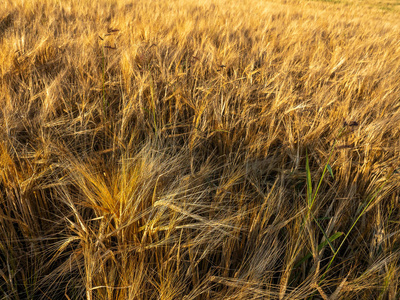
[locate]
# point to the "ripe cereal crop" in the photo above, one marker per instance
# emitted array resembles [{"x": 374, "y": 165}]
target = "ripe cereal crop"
[{"x": 213, "y": 149}]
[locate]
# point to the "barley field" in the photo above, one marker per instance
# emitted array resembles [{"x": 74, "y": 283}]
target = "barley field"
[{"x": 213, "y": 149}]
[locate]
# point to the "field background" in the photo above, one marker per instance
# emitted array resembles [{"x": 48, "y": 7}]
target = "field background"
[{"x": 199, "y": 149}]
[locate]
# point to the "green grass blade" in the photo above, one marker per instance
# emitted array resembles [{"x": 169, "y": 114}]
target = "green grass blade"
[
  {"x": 320, "y": 247},
  {"x": 324, "y": 233},
  {"x": 330, "y": 170}
]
